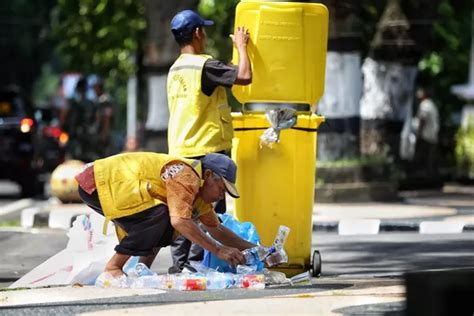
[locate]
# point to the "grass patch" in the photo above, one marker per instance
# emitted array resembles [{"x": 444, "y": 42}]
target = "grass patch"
[
  {"x": 354, "y": 162},
  {"x": 10, "y": 223}
]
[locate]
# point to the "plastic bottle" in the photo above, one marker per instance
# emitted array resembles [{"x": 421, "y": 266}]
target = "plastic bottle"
[
  {"x": 106, "y": 280},
  {"x": 256, "y": 254},
  {"x": 251, "y": 281},
  {"x": 143, "y": 270},
  {"x": 218, "y": 281},
  {"x": 281, "y": 236},
  {"x": 166, "y": 281},
  {"x": 189, "y": 283},
  {"x": 246, "y": 269},
  {"x": 278, "y": 257}
]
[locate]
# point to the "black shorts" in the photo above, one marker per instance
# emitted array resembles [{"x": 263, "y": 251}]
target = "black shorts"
[{"x": 146, "y": 230}]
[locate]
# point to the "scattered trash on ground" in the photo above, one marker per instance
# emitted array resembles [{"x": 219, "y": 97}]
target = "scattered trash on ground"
[
  {"x": 88, "y": 250},
  {"x": 248, "y": 276}
]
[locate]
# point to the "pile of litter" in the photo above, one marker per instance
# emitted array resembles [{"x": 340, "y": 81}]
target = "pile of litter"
[
  {"x": 204, "y": 279},
  {"x": 88, "y": 250},
  {"x": 248, "y": 276}
]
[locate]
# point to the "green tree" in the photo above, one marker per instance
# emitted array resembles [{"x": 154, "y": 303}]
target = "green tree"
[
  {"x": 222, "y": 12},
  {"x": 99, "y": 36},
  {"x": 24, "y": 44},
  {"x": 446, "y": 62}
]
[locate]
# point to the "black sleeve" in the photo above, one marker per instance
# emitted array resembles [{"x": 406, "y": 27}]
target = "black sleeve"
[{"x": 216, "y": 73}]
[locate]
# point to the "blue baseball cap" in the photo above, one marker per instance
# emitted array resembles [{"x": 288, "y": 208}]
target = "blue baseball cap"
[
  {"x": 224, "y": 167},
  {"x": 185, "y": 22}
]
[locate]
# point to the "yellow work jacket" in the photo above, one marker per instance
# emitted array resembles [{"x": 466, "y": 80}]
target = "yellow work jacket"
[
  {"x": 130, "y": 183},
  {"x": 199, "y": 124}
]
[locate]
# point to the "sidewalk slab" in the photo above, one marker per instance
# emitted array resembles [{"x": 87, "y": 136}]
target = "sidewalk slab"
[
  {"x": 63, "y": 294},
  {"x": 327, "y": 296},
  {"x": 328, "y": 302}
]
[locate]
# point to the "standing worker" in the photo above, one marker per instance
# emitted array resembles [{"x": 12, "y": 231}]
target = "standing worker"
[{"x": 200, "y": 116}]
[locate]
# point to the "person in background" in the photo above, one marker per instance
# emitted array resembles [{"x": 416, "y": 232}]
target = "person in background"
[
  {"x": 105, "y": 112},
  {"x": 200, "y": 117},
  {"x": 60, "y": 103},
  {"x": 81, "y": 124},
  {"x": 426, "y": 123}
]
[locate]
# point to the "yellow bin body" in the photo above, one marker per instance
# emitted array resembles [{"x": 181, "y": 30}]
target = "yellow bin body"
[
  {"x": 287, "y": 50},
  {"x": 276, "y": 184}
]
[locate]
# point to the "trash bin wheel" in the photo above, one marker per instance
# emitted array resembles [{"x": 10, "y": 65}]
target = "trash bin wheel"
[{"x": 316, "y": 264}]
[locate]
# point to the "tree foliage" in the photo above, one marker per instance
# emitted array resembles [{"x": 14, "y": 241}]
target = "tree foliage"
[
  {"x": 446, "y": 61},
  {"x": 99, "y": 36},
  {"x": 24, "y": 45},
  {"x": 222, "y": 12}
]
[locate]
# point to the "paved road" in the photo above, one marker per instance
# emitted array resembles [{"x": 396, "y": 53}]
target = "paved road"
[
  {"x": 383, "y": 255},
  {"x": 9, "y": 192},
  {"x": 24, "y": 250},
  {"x": 347, "y": 261}
]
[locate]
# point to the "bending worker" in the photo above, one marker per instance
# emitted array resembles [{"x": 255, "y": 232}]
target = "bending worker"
[
  {"x": 200, "y": 117},
  {"x": 150, "y": 197}
]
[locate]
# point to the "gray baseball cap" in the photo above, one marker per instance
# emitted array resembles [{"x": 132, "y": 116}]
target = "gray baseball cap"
[{"x": 226, "y": 168}]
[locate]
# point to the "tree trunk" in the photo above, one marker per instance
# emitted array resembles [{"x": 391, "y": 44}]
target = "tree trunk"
[
  {"x": 338, "y": 137},
  {"x": 160, "y": 51}
]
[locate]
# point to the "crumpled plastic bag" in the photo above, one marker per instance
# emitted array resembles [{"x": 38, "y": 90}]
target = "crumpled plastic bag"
[
  {"x": 279, "y": 119},
  {"x": 275, "y": 277},
  {"x": 245, "y": 231},
  {"x": 90, "y": 249}
]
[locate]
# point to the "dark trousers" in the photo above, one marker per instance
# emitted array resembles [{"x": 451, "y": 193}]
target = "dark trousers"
[
  {"x": 183, "y": 250},
  {"x": 426, "y": 159}
]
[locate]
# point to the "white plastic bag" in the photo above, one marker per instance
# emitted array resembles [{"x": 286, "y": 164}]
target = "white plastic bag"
[{"x": 83, "y": 260}]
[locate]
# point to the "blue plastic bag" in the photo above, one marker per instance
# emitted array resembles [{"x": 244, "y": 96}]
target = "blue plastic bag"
[{"x": 246, "y": 231}]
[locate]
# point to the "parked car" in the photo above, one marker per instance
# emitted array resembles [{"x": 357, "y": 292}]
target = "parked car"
[{"x": 30, "y": 144}]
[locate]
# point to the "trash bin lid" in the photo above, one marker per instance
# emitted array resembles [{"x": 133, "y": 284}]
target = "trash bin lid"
[{"x": 287, "y": 50}]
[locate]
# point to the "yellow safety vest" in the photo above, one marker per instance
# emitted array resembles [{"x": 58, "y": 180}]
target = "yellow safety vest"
[
  {"x": 199, "y": 124},
  {"x": 124, "y": 182}
]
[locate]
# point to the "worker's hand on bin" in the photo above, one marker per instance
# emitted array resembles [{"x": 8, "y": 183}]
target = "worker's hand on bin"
[
  {"x": 231, "y": 255},
  {"x": 240, "y": 37}
]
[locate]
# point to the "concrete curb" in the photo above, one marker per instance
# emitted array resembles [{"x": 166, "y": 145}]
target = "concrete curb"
[
  {"x": 12, "y": 210},
  {"x": 42, "y": 219},
  {"x": 384, "y": 227}
]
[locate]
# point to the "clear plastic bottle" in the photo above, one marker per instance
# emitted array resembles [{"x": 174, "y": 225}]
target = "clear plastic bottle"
[
  {"x": 246, "y": 269},
  {"x": 166, "y": 281},
  {"x": 278, "y": 257},
  {"x": 281, "y": 236},
  {"x": 256, "y": 254},
  {"x": 250, "y": 281},
  {"x": 143, "y": 270},
  {"x": 189, "y": 283},
  {"x": 106, "y": 280},
  {"x": 218, "y": 281}
]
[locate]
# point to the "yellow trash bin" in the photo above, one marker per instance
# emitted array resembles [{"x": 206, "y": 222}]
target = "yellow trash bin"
[
  {"x": 287, "y": 51},
  {"x": 276, "y": 185}
]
